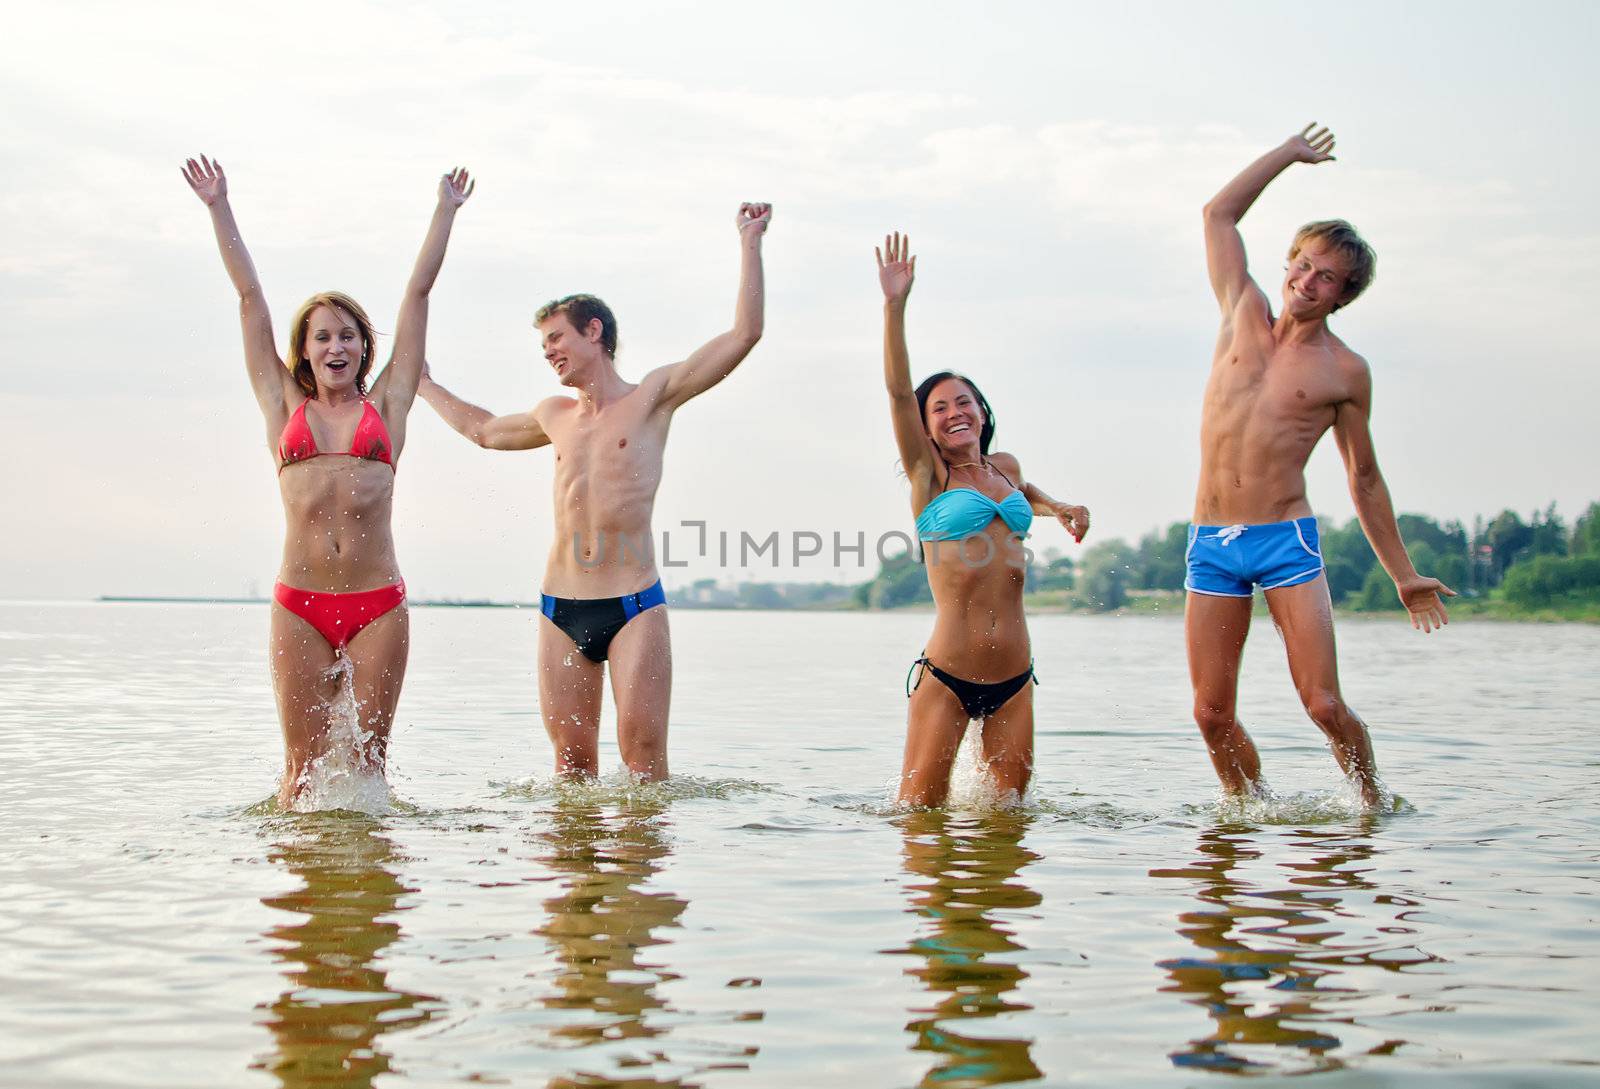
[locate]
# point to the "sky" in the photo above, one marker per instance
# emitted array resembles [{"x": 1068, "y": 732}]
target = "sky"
[{"x": 1048, "y": 160}]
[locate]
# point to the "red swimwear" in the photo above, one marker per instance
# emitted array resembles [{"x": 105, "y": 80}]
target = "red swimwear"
[
  {"x": 338, "y": 617},
  {"x": 371, "y": 439}
]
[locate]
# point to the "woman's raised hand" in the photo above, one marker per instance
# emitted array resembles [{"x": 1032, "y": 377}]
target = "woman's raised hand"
[
  {"x": 896, "y": 267},
  {"x": 455, "y": 187},
  {"x": 207, "y": 180}
]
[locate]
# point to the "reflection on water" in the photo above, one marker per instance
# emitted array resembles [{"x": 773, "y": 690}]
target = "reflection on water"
[
  {"x": 602, "y": 928},
  {"x": 1283, "y": 971},
  {"x": 328, "y": 1024},
  {"x": 135, "y": 950},
  {"x": 963, "y": 878}
]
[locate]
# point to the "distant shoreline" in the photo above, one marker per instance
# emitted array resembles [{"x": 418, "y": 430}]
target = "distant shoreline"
[{"x": 1047, "y": 603}]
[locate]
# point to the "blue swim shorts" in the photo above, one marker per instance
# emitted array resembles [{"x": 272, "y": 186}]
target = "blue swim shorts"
[{"x": 1228, "y": 561}]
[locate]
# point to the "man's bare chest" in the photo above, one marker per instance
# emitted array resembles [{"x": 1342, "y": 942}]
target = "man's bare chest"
[
  {"x": 615, "y": 448},
  {"x": 1279, "y": 383}
]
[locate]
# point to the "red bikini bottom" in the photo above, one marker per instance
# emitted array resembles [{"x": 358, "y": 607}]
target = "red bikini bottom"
[{"x": 338, "y": 617}]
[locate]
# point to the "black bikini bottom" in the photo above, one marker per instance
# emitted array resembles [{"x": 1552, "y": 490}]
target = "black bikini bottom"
[{"x": 978, "y": 700}]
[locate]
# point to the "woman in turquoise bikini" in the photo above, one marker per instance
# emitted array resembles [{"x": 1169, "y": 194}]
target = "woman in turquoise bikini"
[{"x": 972, "y": 508}]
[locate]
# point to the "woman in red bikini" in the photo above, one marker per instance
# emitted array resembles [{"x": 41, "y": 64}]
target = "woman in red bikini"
[{"x": 336, "y": 440}]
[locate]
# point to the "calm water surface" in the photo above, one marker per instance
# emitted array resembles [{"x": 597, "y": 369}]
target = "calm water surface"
[{"x": 766, "y": 919}]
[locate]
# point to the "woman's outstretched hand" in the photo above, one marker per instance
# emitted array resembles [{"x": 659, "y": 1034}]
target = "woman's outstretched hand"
[
  {"x": 455, "y": 187},
  {"x": 896, "y": 267},
  {"x": 1074, "y": 519},
  {"x": 207, "y": 180}
]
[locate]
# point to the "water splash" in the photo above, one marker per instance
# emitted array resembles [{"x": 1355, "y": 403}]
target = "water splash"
[
  {"x": 1342, "y": 803},
  {"x": 622, "y": 787},
  {"x": 348, "y": 775},
  {"x": 972, "y": 784},
  {"x": 1090, "y": 814}
]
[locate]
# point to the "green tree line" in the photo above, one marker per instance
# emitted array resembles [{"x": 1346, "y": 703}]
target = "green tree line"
[{"x": 1531, "y": 564}]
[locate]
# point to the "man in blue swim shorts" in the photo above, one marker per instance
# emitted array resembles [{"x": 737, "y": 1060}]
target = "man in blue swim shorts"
[{"x": 1278, "y": 383}]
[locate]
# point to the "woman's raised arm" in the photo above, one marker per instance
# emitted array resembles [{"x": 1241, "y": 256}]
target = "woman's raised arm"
[
  {"x": 896, "y": 271},
  {"x": 396, "y": 387},
  {"x": 268, "y": 377}
]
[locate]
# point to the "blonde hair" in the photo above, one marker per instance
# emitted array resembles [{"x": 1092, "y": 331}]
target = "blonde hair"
[
  {"x": 297, "y": 361},
  {"x": 1340, "y": 235}
]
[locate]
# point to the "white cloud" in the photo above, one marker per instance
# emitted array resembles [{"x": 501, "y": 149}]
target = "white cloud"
[{"x": 1060, "y": 249}]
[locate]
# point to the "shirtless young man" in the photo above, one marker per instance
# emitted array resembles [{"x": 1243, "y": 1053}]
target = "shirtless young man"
[
  {"x": 1278, "y": 383},
  {"x": 601, "y": 589}
]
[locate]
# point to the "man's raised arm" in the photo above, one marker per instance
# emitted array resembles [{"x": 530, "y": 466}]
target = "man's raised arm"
[
  {"x": 518, "y": 432},
  {"x": 1225, "y": 259},
  {"x": 715, "y": 360}
]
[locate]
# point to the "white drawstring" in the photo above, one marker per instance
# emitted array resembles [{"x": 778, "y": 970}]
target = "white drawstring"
[{"x": 1228, "y": 534}]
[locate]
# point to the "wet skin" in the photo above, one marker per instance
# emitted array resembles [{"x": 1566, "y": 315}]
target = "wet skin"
[
  {"x": 980, "y": 633},
  {"x": 610, "y": 444},
  {"x": 337, "y": 507},
  {"x": 1278, "y": 383}
]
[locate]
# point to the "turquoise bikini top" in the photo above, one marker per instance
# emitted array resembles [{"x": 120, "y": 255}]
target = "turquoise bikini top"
[{"x": 960, "y": 513}]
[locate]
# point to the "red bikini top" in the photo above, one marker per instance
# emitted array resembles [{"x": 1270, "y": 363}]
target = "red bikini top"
[{"x": 371, "y": 441}]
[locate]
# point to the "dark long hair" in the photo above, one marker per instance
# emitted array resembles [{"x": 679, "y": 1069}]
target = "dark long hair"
[{"x": 986, "y": 433}]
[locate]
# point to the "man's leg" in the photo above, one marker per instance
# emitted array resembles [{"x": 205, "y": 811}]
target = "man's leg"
[
  {"x": 641, "y": 684},
  {"x": 1215, "y": 629},
  {"x": 1304, "y": 616},
  {"x": 569, "y": 699}
]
